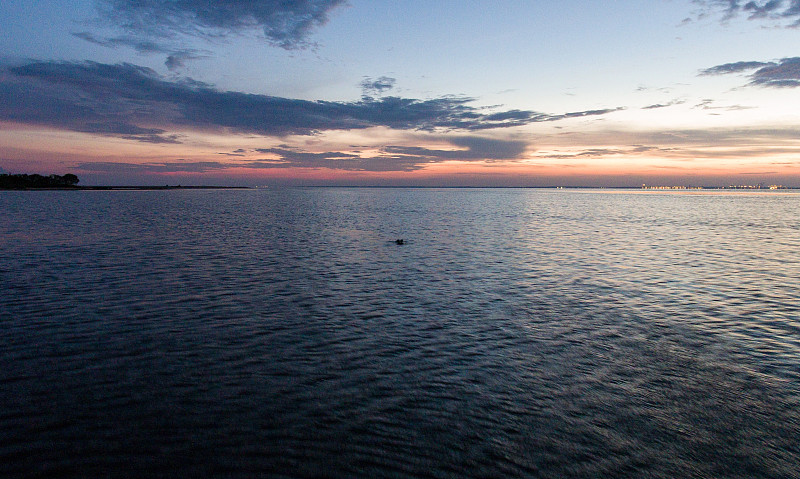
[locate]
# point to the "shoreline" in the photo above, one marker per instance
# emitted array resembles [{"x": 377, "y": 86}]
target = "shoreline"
[{"x": 128, "y": 188}]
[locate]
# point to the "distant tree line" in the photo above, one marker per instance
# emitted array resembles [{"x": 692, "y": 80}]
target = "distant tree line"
[{"x": 23, "y": 181}]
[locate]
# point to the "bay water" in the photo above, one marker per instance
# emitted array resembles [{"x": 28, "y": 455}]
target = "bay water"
[{"x": 284, "y": 333}]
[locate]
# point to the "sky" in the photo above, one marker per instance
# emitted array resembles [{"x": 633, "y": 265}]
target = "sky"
[{"x": 402, "y": 93}]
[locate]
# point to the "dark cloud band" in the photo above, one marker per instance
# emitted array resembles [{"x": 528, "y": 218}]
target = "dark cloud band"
[
  {"x": 134, "y": 102},
  {"x": 388, "y": 158},
  {"x": 286, "y": 24},
  {"x": 784, "y": 73},
  {"x": 772, "y": 10},
  {"x": 397, "y": 158}
]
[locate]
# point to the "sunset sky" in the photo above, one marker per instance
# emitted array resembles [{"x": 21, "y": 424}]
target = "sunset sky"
[{"x": 368, "y": 92}]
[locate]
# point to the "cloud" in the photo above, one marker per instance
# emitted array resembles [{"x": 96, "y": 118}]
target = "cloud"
[
  {"x": 337, "y": 160},
  {"x": 689, "y": 146},
  {"x": 634, "y": 150},
  {"x": 178, "y": 59},
  {"x": 141, "y": 46},
  {"x": 709, "y": 104},
  {"x": 664, "y": 105},
  {"x": 736, "y": 67},
  {"x": 524, "y": 117},
  {"x": 784, "y": 73},
  {"x": 64, "y": 104},
  {"x": 370, "y": 87},
  {"x": 684, "y": 154},
  {"x": 163, "y": 167},
  {"x": 175, "y": 58},
  {"x": 236, "y": 152},
  {"x": 134, "y": 102},
  {"x": 720, "y": 137},
  {"x": 387, "y": 158},
  {"x": 284, "y": 23},
  {"x": 477, "y": 148},
  {"x": 764, "y": 10},
  {"x": 286, "y": 159},
  {"x": 396, "y": 158},
  {"x": 770, "y": 10}
]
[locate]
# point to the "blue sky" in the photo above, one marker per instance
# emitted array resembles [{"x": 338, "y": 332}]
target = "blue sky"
[{"x": 402, "y": 93}]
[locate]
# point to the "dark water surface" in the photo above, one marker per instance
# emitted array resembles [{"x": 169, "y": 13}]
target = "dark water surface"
[{"x": 283, "y": 333}]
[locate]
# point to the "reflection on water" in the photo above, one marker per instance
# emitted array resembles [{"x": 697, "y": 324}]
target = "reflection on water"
[{"x": 283, "y": 333}]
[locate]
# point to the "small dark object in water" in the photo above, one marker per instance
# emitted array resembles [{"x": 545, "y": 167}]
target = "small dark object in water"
[{"x": 399, "y": 241}]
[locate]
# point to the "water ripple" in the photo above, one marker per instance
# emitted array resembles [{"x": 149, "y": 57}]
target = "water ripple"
[{"x": 283, "y": 333}]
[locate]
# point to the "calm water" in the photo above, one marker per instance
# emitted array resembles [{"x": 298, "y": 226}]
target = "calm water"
[{"x": 282, "y": 333}]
